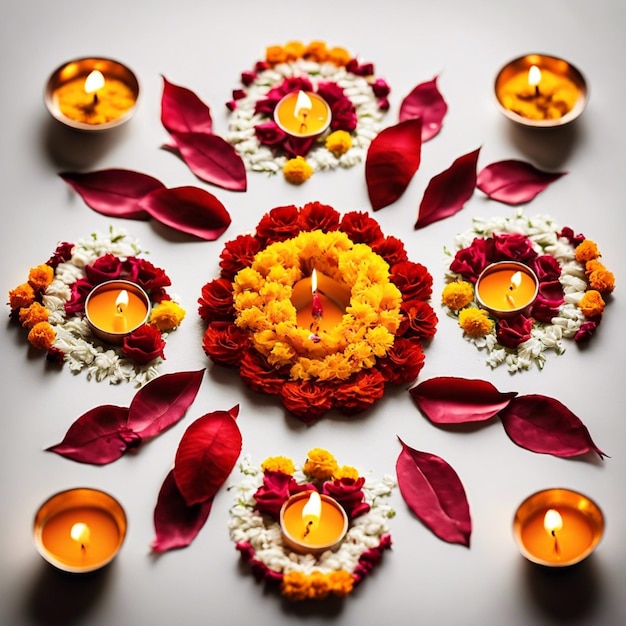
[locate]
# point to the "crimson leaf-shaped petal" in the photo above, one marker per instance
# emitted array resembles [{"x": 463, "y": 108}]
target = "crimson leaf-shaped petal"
[
  {"x": 113, "y": 192},
  {"x": 425, "y": 102},
  {"x": 513, "y": 181},
  {"x": 162, "y": 402},
  {"x": 392, "y": 158},
  {"x": 182, "y": 111},
  {"x": 447, "y": 192},
  {"x": 190, "y": 210},
  {"x": 545, "y": 425},
  {"x": 95, "y": 437},
  {"x": 176, "y": 524},
  {"x": 434, "y": 492},
  {"x": 451, "y": 400},
  {"x": 206, "y": 455},
  {"x": 212, "y": 159}
]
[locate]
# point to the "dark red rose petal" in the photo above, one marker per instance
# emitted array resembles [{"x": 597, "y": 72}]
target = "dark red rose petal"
[
  {"x": 425, "y": 102},
  {"x": 183, "y": 112}
]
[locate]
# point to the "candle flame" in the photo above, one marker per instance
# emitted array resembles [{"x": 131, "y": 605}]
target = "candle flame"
[
  {"x": 534, "y": 76},
  {"x": 122, "y": 301},
  {"x": 516, "y": 281},
  {"x": 311, "y": 512},
  {"x": 80, "y": 533},
  {"x": 94, "y": 81},
  {"x": 303, "y": 105},
  {"x": 552, "y": 521}
]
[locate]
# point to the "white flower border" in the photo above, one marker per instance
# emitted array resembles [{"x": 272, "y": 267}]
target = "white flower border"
[
  {"x": 260, "y": 158},
  {"x": 73, "y": 335},
  {"x": 264, "y": 534},
  {"x": 543, "y": 231}
]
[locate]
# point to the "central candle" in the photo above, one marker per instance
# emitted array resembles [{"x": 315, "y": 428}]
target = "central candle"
[
  {"x": 309, "y": 531},
  {"x": 302, "y": 114}
]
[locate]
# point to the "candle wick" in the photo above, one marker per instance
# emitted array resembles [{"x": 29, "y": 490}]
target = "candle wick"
[
  {"x": 537, "y": 94},
  {"x": 307, "y": 529},
  {"x": 556, "y": 543},
  {"x": 303, "y": 123},
  {"x": 83, "y": 547},
  {"x": 95, "y": 98},
  {"x": 120, "y": 310}
]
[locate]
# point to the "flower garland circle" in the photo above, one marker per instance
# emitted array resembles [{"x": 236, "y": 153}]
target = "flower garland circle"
[
  {"x": 51, "y": 306},
  {"x": 255, "y": 529},
  {"x": 573, "y": 288},
  {"x": 357, "y": 101},
  {"x": 252, "y": 322}
]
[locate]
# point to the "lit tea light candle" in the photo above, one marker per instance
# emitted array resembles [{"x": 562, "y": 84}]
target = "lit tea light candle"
[
  {"x": 79, "y": 530},
  {"x": 302, "y": 114},
  {"x": 540, "y": 90},
  {"x": 506, "y": 289},
  {"x": 558, "y": 527},
  {"x": 320, "y": 302},
  {"x": 116, "y": 308},
  {"x": 92, "y": 94},
  {"x": 313, "y": 523}
]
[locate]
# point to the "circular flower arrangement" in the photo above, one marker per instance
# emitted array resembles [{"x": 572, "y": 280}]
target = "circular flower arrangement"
[
  {"x": 51, "y": 306},
  {"x": 256, "y": 532},
  {"x": 573, "y": 286},
  {"x": 357, "y": 101},
  {"x": 252, "y": 322}
]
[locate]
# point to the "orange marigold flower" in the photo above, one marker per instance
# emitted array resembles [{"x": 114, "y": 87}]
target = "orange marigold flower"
[
  {"x": 278, "y": 464},
  {"x": 586, "y": 251},
  {"x": 457, "y": 295},
  {"x": 339, "y": 142},
  {"x": 294, "y": 50},
  {"x": 275, "y": 55},
  {"x": 602, "y": 280},
  {"x": 320, "y": 464},
  {"x": 591, "y": 304},
  {"x": 22, "y": 296},
  {"x": 297, "y": 170},
  {"x": 41, "y": 276},
  {"x": 41, "y": 336},
  {"x": 339, "y": 56},
  {"x": 593, "y": 265},
  {"x": 475, "y": 322},
  {"x": 33, "y": 314},
  {"x": 295, "y": 586},
  {"x": 341, "y": 582},
  {"x": 316, "y": 51}
]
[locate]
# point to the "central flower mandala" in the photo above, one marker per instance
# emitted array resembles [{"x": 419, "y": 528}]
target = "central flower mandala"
[{"x": 253, "y": 322}]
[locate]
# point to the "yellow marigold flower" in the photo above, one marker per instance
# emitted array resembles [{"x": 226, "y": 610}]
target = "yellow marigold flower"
[
  {"x": 340, "y": 582},
  {"x": 297, "y": 170},
  {"x": 346, "y": 471},
  {"x": 602, "y": 280},
  {"x": 457, "y": 295},
  {"x": 35, "y": 313},
  {"x": 586, "y": 251},
  {"x": 339, "y": 142},
  {"x": 361, "y": 355},
  {"x": 280, "y": 354},
  {"x": 279, "y": 311},
  {"x": 475, "y": 322},
  {"x": 591, "y": 303},
  {"x": 380, "y": 339},
  {"x": 316, "y": 51},
  {"x": 275, "y": 55},
  {"x": 264, "y": 340},
  {"x": 294, "y": 50},
  {"x": 334, "y": 366},
  {"x": 320, "y": 464},
  {"x": 167, "y": 315},
  {"x": 278, "y": 464},
  {"x": 339, "y": 56},
  {"x": 41, "y": 276},
  {"x": 247, "y": 278},
  {"x": 252, "y": 318},
  {"x": 42, "y": 336},
  {"x": 22, "y": 296}
]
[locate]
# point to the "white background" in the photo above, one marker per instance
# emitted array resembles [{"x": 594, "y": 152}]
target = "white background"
[{"x": 204, "y": 46}]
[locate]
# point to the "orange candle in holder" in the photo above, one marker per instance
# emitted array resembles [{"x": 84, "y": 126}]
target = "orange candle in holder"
[
  {"x": 506, "y": 289},
  {"x": 302, "y": 114},
  {"x": 79, "y": 530},
  {"x": 312, "y": 523},
  {"x": 116, "y": 308}
]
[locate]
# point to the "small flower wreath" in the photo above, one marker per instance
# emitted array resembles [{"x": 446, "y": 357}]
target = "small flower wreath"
[
  {"x": 356, "y": 98},
  {"x": 255, "y": 529},
  {"x": 573, "y": 286},
  {"x": 252, "y": 322},
  {"x": 51, "y": 306}
]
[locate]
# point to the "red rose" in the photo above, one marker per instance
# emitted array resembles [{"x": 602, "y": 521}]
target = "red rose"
[
  {"x": 80, "y": 290},
  {"x": 510, "y": 247},
  {"x": 471, "y": 261},
  {"x": 270, "y": 134},
  {"x": 574, "y": 240},
  {"x": 297, "y": 146},
  {"x": 224, "y": 343},
  {"x": 308, "y": 401},
  {"x": 419, "y": 320},
  {"x": 510, "y": 333},
  {"x": 370, "y": 558},
  {"x": 107, "y": 267},
  {"x": 318, "y": 216},
  {"x": 276, "y": 489},
  {"x": 144, "y": 345},
  {"x": 279, "y": 224},
  {"x": 359, "y": 392},
  {"x": 348, "y": 492},
  {"x": 391, "y": 249},
  {"x": 258, "y": 375},
  {"x": 146, "y": 274},
  {"x": 380, "y": 88},
  {"x": 586, "y": 331},
  {"x": 62, "y": 253},
  {"x": 247, "y": 77},
  {"x": 547, "y": 268},
  {"x": 361, "y": 228},
  {"x": 237, "y": 254},
  {"x": 216, "y": 300},
  {"x": 548, "y": 301},
  {"x": 403, "y": 362},
  {"x": 343, "y": 116},
  {"x": 413, "y": 280},
  {"x": 331, "y": 92}
]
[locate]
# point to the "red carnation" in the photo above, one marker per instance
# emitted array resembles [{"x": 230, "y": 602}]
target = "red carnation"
[
  {"x": 419, "y": 319},
  {"x": 413, "y": 280},
  {"x": 306, "y": 400},
  {"x": 224, "y": 343},
  {"x": 403, "y": 362},
  {"x": 318, "y": 216},
  {"x": 279, "y": 224},
  {"x": 361, "y": 228},
  {"x": 391, "y": 249},
  {"x": 471, "y": 261},
  {"x": 360, "y": 391},
  {"x": 216, "y": 301},
  {"x": 237, "y": 254}
]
